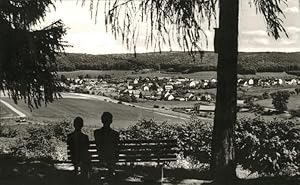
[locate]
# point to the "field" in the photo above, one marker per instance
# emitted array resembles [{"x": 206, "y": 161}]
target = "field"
[
  {"x": 293, "y": 102},
  {"x": 6, "y": 112},
  {"x": 130, "y": 73},
  {"x": 167, "y": 104},
  {"x": 90, "y": 110},
  {"x": 197, "y": 75}
]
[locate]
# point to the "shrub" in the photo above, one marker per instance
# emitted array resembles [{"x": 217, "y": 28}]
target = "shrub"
[
  {"x": 295, "y": 113},
  {"x": 193, "y": 137},
  {"x": 264, "y": 147},
  {"x": 266, "y": 95},
  {"x": 297, "y": 90},
  {"x": 269, "y": 148},
  {"x": 40, "y": 144},
  {"x": 41, "y": 141},
  {"x": 8, "y": 132},
  {"x": 61, "y": 130}
]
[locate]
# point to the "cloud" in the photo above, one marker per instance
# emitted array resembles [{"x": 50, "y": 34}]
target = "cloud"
[
  {"x": 255, "y": 33},
  {"x": 292, "y": 10},
  {"x": 261, "y": 41},
  {"x": 293, "y": 29}
]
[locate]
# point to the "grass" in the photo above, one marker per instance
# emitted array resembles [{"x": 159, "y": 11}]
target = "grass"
[
  {"x": 269, "y": 75},
  {"x": 167, "y": 104},
  {"x": 261, "y": 90},
  {"x": 129, "y": 73},
  {"x": 6, "y": 112},
  {"x": 90, "y": 110},
  {"x": 293, "y": 102},
  {"x": 197, "y": 75}
]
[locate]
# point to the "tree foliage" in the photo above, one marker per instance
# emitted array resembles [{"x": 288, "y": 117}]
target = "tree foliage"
[
  {"x": 280, "y": 100},
  {"x": 27, "y": 53},
  {"x": 182, "y": 21}
]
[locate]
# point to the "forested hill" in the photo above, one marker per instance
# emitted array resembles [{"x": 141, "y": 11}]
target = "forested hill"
[{"x": 179, "y": 62}]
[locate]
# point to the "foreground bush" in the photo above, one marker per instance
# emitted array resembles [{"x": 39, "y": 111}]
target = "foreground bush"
[
  {"x": 38, "y": 141},
  {"x": 193, "y": 137},
  {"x": 268, "y": 147}
]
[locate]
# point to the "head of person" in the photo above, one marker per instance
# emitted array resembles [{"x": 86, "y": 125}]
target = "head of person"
[
  {"x": 106, "y": 119},
  {"x": 78, "y": 123}
]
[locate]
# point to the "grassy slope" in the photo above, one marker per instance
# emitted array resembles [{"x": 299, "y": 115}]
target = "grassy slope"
[
  {"x": 293, "y": 102},
  {"x": 91, "y": 111},
  {"x": 6, "y": 112}
]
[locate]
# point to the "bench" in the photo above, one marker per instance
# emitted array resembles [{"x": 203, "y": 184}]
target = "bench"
[{"x": 136, "y": 151}]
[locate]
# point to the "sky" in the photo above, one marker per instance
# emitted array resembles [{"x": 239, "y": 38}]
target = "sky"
[{"x": 86, "y": 36}]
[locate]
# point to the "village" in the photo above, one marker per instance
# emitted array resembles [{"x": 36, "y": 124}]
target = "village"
[{"x": 167, "y": 89}]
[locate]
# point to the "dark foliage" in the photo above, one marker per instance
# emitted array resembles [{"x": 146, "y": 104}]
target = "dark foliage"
[
  {"x": 249, "y": 63},
  {"x": 28, "y": 55}
]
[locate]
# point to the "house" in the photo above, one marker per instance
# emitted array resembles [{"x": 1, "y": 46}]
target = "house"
[
  {"x": 213, "y": 80},
  {"x": 146, "y": 94},
  {"x": 145, "y": 88},
  {"x": 206, "y": 97},
  {"x": 291, "y": 82},
  {"x": 180, "y": 99},
  {"x": 135, "y": 93},
  {"x": 205, "y": 108},
  {"x": 188, "y": 96},
  {"x": 169, "y": 97},
  {"x": 168, "y": 87},
  {"x": 192, "y": 84},
  {"x": 136, "y": 81},
  {"x": 250, "y": 82}
]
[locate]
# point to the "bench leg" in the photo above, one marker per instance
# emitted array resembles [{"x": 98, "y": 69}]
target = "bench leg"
[{"x": 162, "y": 174}]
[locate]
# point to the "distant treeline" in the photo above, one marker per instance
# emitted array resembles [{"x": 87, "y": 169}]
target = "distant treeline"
[{"x": 249, "y": 63}]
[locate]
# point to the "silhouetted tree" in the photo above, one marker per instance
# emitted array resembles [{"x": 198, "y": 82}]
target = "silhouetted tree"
[{"x": 27, "y": 54}]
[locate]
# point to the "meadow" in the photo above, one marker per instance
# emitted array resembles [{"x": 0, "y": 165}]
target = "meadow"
[
  {"x": 5, "y": 112},
  {"x": 293, "y": 102},
  {"x": 90, "y": 110},
  {"x": 203, "y": 75}
]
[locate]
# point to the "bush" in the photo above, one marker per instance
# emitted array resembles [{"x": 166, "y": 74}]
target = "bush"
[
  {"x": 295, "y": 113},
  {"x": 155, "y": 106},
  {"x": 269, "y": 148},
  {"x": 266, "y": 95},
  {"x": 264, "y": 147},
  {"x": 39, "y": 141},
  {"x": 193, "y": 137},
  {"x": 40, "y": 144}
]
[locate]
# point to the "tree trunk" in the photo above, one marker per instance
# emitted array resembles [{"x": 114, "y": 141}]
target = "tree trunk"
[{"x": 223, "y": 152}]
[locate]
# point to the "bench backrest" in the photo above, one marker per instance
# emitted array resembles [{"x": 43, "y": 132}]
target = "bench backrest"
[{"x": 141, "y": 151}]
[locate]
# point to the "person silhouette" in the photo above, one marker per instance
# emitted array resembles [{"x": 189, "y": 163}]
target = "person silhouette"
[
  {"x": 78, "y": 144},
  {"x": 107, "y": 141}
]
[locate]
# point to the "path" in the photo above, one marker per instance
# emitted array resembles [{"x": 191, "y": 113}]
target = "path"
[{"x": 19, "y": 113}]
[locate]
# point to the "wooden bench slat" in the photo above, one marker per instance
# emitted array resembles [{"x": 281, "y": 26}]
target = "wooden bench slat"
[
  {"x": 142, "y": 147},
  {"x": 140, "y": 151},
  {"x": 143, "y": 141}
]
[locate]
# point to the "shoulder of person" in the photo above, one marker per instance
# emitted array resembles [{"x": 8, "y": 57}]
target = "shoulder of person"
[
  {"x": 115, "y": 132},
  {"x": 70, "y": 135},
  {"x": 97, "y": 131}
]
